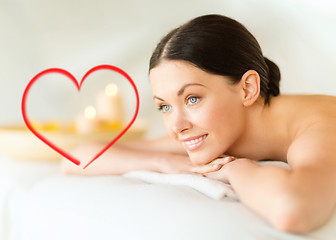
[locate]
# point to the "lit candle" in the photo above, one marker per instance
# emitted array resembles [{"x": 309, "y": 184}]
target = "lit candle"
[
  {"x": 87, "y": 122},
  {"x": 109, "y": 105}
]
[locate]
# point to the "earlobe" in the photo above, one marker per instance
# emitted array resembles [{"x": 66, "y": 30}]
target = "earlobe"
[{"x": 250, "y": 83}]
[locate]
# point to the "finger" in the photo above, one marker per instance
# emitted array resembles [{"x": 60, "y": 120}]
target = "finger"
[
  {"x": 207, "y": 168},
  {"x": 223, "y": 161},
  {"x": 214, "y": 165}
]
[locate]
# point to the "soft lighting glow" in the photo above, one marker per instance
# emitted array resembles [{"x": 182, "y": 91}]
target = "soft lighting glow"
[
  {"x": 111, "y": 89},
  {"x": 90, "y": 112}
]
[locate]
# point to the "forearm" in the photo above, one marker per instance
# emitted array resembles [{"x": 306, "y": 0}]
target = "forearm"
[
  {"x": 257, "y": 186},
  {"x": 163, "y": 144},
  {"x": 115, "y": 161},
  {"x": 287, "y": 199}
]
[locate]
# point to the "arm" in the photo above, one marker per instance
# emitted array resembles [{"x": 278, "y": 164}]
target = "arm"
[
  {"x": 296, "y": 200},
  {"x": 163, "y": 144},
  {"x": 161, "y": 155}
]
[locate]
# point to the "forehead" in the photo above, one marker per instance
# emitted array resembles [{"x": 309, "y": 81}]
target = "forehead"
[
  {"x": 174, "y": 70},
  {"x": 171, "y": 75}
]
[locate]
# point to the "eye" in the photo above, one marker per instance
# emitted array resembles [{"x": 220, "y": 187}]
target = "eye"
[
  {"x": 192, "y": 100},
  {"x": 164, "y": 108}
]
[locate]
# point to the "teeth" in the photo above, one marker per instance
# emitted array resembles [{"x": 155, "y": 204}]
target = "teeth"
[{"x": 195, "y": 140}]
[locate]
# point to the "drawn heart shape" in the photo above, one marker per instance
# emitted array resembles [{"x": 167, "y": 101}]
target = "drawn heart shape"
[{"x": 78, "y": 86}]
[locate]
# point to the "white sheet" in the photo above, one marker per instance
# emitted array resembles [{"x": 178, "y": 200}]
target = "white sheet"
[
  {"x": 209, "y": 187},
  {"x": 40, "y": 203}
]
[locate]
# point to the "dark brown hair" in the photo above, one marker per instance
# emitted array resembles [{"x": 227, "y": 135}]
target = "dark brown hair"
[{"x": 222, "y": 46}]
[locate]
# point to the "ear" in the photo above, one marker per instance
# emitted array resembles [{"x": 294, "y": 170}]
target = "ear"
[{"x": 250, "y": 86}]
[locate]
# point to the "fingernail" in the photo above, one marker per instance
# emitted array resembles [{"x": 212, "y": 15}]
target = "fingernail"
[
  {"x": 215, "y": 165},
  {"x": 229, "y": 158}
]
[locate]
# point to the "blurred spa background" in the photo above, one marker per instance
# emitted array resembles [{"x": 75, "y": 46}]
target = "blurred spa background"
[{"x": 76, "y": 35}]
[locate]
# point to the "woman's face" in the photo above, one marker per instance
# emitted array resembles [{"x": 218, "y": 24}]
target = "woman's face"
[{"x": 203, "y": 111}]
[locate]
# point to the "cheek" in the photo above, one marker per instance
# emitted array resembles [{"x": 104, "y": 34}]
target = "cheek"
[
  {"x": 211, "y": 116},
  {"x": 229, "y": 127},
  {"x": 224, "y": 122}
]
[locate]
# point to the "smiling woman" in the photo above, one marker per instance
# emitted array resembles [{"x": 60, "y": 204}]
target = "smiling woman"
[
  {"x": 200, "y": 110},
  {"x": 220, "y": 102}
]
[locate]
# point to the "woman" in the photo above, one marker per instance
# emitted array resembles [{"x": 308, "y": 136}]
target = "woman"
[{"x": 219, "y": 97}]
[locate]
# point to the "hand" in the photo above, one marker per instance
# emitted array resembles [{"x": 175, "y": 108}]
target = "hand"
[
  {"x": 213, "y": 166},
  {"x": 215, "y": 169}
]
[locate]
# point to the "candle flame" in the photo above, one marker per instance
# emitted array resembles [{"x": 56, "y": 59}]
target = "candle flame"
[
  {"x": 90, "y": 112},
  {"x": 111, "y": 89}
]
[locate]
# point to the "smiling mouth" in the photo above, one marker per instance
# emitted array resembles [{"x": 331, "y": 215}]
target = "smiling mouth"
[{"x": 195, "y": 143}]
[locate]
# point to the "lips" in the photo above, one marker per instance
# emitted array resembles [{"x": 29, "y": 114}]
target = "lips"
[{"x": 194, "y": 143}]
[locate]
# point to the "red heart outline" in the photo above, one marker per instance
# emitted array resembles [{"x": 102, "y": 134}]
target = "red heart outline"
[{"x": 78, "y": 86}]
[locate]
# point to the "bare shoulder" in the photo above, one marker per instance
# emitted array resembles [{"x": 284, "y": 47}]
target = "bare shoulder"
[
  {"x": 314, "y": 145},
  {"x": 309, "y": 105},
  {"x": 314, "y": 134}
]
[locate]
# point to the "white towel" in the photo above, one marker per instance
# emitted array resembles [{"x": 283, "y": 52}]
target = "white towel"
[{"x": 212, "y": 188}]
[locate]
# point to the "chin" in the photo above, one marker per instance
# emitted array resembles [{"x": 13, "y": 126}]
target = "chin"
[{"x": 198, "y": 158}]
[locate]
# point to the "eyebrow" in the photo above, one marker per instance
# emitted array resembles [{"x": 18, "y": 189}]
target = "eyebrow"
[{"x": 181, "y": 91}]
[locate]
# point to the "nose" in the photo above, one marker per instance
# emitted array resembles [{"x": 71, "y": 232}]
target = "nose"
[{"x": 180, "y": 122}]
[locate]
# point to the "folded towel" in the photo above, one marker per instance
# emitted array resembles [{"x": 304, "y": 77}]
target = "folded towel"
[{"x": 212, "y": 188}]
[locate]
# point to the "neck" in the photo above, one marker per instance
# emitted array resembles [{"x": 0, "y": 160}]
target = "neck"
[{"x": 264, "y": 135}]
